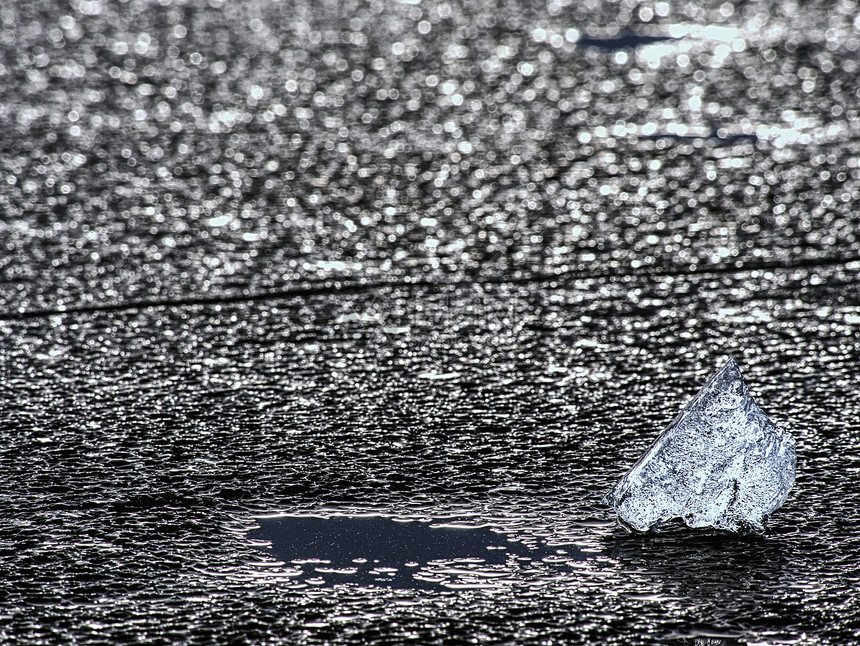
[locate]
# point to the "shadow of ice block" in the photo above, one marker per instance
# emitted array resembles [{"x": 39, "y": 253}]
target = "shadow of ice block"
[{"x": 721, "y": 463}]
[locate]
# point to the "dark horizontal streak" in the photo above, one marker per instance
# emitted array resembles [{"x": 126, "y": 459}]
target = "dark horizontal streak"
[
  {"x": 623, "y": 41},
  {"x": 334, "y": 286}
]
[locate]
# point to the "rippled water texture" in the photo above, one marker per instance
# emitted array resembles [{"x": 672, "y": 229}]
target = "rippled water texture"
[
  {"x": 140, "y": 446},
  {"x": 419, "y": 278}
]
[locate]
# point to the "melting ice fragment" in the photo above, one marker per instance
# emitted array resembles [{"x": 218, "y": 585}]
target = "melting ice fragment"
[{"x": 721, "y": 463}]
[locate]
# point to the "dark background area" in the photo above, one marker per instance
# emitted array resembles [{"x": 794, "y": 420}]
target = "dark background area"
[{"x": 431, "y": 259}]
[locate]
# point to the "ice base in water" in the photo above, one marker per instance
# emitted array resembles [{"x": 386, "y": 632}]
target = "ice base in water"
[{"x": 721, "y": 463}]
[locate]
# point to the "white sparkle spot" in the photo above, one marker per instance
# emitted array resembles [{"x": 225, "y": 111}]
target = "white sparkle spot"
[
  {"x": 571, "y": 35},
  {"x": 219, "y": 220}
]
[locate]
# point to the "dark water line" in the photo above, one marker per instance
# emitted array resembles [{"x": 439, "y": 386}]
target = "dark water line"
[
  {"x": 622, "y": 41},
  {"x": 333, "y": 286}
]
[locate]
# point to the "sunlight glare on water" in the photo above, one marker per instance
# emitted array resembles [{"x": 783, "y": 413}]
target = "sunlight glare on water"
[{"x": 445, "y": 263}]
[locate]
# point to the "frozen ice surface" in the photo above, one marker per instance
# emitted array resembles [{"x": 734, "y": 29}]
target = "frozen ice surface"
[{"x": 721, "y": 463}]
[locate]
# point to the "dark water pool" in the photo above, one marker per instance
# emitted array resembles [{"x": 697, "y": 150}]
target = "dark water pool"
[{"x": 400, "y": 553}]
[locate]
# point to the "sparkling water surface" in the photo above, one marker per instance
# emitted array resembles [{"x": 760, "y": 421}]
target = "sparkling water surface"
[
  {"x": 435, "y": 272},
  {"x": 148, "y": 443}
]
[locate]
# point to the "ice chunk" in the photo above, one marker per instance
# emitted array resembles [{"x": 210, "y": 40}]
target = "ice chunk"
[{"x": 721, "y": 463}]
